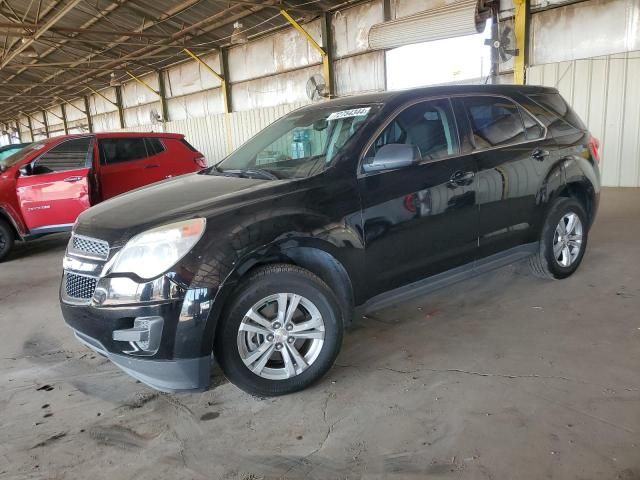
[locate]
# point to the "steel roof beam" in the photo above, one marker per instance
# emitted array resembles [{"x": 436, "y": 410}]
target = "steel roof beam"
[{"x": 58, "y": 15}]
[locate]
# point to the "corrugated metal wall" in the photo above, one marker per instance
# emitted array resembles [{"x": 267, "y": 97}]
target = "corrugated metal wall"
[{"x": 604, "y": 92}]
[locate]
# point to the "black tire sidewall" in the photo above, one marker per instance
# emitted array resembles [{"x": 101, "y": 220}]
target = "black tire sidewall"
[
  {"x": 7, "y": 233},
  {"x": 561, "y": 208},
  {"x": 251, "y": 292}
]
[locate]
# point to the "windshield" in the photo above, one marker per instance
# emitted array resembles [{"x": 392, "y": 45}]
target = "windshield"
[
  {"x": 18, "y": 156},
  {"x": 298, "y": 145}
]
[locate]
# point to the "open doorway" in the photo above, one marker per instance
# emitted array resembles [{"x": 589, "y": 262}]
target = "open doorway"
[{"x": 452, "y": 60}]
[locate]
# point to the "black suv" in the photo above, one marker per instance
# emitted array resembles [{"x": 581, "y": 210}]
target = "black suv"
[{"x": 262, "y": 259}]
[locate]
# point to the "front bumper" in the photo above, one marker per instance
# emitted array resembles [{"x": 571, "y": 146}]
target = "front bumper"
[
  {"x": 156, "y": 331},
  {"x": 186, "y": 374}
]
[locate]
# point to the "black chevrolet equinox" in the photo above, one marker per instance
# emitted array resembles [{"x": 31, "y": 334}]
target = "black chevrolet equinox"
[{"x": 343, "y": 206}]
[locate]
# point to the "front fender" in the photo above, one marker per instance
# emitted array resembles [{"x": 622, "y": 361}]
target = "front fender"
[
  {"x": 8, "y": 213},
  {"x": 339, "y": 268}
]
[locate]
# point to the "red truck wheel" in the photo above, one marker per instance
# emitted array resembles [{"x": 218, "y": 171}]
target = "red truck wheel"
[{"x": 6, "y": 239}]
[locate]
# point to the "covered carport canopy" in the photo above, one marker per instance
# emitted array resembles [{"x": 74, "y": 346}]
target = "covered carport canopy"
[{"x": 54, "y": 51}]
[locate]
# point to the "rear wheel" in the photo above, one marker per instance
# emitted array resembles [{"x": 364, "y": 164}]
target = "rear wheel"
[
  {"x": 7, "y": 238},
  {"x": 563, "y": 242},
  {"x": 282, "y": 331}
]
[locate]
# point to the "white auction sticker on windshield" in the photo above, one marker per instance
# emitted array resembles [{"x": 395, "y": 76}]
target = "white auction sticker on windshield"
[{"x": 354, "y": 112}]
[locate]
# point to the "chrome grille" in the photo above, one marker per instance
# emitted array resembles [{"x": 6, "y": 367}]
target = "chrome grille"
[
  {"x": 89, "y": 247},
  {"x": 79, "y": 286}
]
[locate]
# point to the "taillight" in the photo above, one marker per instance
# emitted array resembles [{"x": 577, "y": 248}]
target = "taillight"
[
  {"x": 594, "y": 146},
  {"x": 201, "y": 161}
]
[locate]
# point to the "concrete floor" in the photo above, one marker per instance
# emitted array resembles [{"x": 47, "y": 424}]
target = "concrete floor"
[{"x": 502, "y": 377}]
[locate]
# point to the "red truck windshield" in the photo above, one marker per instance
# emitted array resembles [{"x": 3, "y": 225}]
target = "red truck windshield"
[{"x": 21, "y": 154}]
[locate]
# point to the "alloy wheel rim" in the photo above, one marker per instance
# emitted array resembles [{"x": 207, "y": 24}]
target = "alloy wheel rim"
[
  {"x": 281, "y": 336},
  {"x": 567, "y": 240},
  {"x": 3, "y": 241}
]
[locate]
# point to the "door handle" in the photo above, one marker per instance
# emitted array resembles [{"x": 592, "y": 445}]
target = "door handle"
[
  {"x": 540, "y": 154},
  {"x": 153, "y": 165},
  {"x": 73, "y": 179},
  {"x": 461, "y": 178}
]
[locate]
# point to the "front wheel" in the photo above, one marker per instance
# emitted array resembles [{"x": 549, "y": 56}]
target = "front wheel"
[
  {"x": 281, "y": 333},
  {"x": 7, "y": 239},
  {"x": 563, "y": 241}
]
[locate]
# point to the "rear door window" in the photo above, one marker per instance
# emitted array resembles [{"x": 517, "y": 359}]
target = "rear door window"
[
  {"x": 154, "y": 146},
  {"x": 120, "y": 150},
  {"x": 69, "y": 155},
  {"x": 495, "y": 122}
]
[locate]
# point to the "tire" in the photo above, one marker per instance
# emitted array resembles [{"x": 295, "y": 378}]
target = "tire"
[
  {"x": 262, "y": 292},
  {"x": 7, "y": 239},
  {"x": 548, "y": 263}
]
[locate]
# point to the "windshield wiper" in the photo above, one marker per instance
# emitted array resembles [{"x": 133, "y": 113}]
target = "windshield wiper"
[{"x": 253, "y": 172}]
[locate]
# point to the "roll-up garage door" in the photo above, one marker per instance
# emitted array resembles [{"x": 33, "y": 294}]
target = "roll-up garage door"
[{"x": 454, "y": 19}]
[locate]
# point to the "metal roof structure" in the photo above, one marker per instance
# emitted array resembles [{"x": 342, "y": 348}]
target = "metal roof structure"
[{"x": 53, "y": 51}]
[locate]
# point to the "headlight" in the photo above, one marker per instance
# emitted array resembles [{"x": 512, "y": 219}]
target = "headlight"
[{"x": 155, "y": 251}]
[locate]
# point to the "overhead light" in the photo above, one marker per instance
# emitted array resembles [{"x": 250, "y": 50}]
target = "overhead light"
[
  {"x": 238, "y": 37},
  {"x": 114, "y": 82}
]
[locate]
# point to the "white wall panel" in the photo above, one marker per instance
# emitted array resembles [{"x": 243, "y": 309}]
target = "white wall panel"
[
  {"x": 134, "y": 94},
  {"x": 604, "y": 93},
  {"x": 585, "y": 30},
  {"x": 351, "y": 27},
  {"x": 106, "y": 122},
  {"x": 191, "y": 77},
  {"x": 196, "y": 105},
  {"x": 274, "y": 90},
  {"x": 141, "y": 115},
  {"x": 360, "y": 74},
  {"x": 75, "y": 111},
  {"x": 273, "y": 54},
  {"x": 98, "y": 104}
]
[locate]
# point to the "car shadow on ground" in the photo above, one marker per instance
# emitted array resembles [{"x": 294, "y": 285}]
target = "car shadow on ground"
[{"x": 40, "y": 246}]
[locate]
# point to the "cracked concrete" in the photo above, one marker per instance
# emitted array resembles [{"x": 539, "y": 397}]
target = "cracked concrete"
[{"x": 503, "y": 376}]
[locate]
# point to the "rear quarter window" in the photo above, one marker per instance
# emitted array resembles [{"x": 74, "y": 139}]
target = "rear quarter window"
[
  {"x": 554, "y": 112},
  {"x": 188, "y": 145},
  {"x": 154, "y": 146}
]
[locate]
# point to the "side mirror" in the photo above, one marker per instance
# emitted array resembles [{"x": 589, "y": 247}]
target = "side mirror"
[
  {"x": 25, "y": 170},
  {"x": 392, "y": 156}
]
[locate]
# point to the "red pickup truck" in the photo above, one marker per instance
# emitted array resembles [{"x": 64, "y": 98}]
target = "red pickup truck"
[{"x": 45, "y": 186}]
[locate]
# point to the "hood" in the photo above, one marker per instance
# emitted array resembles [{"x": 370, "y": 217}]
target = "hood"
[{"x": 188, "y": 196}]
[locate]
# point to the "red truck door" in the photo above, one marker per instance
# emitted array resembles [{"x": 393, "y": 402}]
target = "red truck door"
[
  {"x": 56, "y": 189},
  {"x": 126, "y": 165}
]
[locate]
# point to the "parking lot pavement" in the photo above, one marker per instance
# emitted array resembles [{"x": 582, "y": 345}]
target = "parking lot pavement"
[{"x": 503, "y": 376}]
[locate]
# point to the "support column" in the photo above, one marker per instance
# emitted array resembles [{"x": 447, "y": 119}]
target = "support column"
[
  {"x": 63, "y": 108},
  {"x": 19, "y": 131},
  {"x": 226, "y": 83},
  {"x": 46, "y": 122},
  {"x": 87, "y": 112},
  {"x": 387, "y": 17},
  {"x": 120, "y": 106},
  {"x": 324, "y": 52},
  {"x": 521, "y": 29},
  {"x": 163, "y": 98},
  {"x": 327, "y": 58},
  {"x": 30, "y": 128}
]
